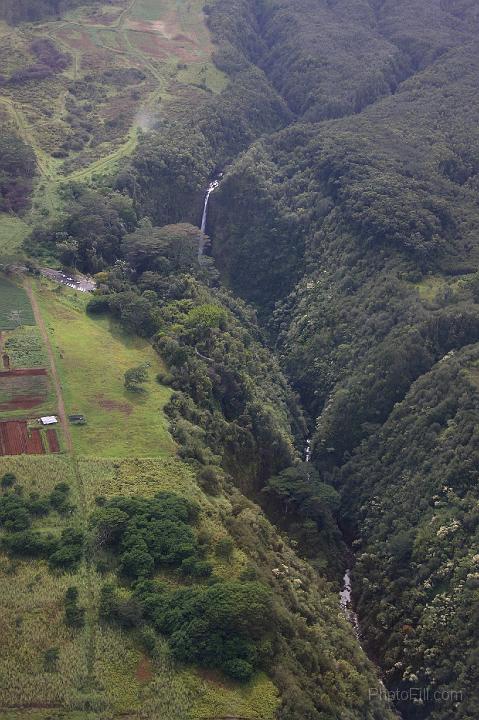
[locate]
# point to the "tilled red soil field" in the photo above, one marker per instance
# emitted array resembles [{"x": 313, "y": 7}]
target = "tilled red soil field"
[
  {"x": 25, "y": 403},
  {"x": 16, "y": 439},
  {"x": 23, "y": 389},
  {"x": 52, "y": 439}
]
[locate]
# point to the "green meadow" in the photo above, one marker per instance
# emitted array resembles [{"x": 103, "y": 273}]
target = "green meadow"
[{"x": 92, "y": 355}]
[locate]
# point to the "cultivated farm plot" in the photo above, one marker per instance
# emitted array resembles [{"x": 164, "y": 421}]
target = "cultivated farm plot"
[
  {"x": 15, "y": 308},
  {"x": 24, "y": 390},
  {"x": 25, "y": 349},
  {"x": 17, "y": 439}
]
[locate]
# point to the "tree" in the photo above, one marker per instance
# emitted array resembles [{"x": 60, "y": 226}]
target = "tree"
[
  {"x": 135, "y": 377},
  {"x": 137, "y": 561},
  {"x": 110, "y": 524},
  {"x": 168, "y": 249}
]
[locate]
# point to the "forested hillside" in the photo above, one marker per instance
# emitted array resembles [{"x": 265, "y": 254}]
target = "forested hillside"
[
  {"x": 356, "y": 239},
  {"x": 336, "y": 298},
  {"x": 16, "y": 11}
]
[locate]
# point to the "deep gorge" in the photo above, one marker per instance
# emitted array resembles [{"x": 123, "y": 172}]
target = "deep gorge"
[{"x": 301, "y": 251}]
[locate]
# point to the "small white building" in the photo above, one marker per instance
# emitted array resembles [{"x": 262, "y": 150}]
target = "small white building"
[{"x": 49, "y": 420}]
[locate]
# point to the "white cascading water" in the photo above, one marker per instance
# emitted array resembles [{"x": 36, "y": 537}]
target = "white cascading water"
[
  {"x": 307, "y": 451},
  {"x": 345, "y": 600},
  {"x": 211, "y": 188}
]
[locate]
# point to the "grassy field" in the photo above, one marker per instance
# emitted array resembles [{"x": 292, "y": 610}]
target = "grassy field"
[
  {"x": 31, "y": 605},
  {"x": 92, "y": 356},
  {"x": 15, "y": 308},
  {"x": 99, "y": 666},
  {"x": 13, "y": 232}
]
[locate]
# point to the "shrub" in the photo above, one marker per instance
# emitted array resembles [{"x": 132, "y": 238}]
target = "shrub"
[
  {"x": 98, "y": 304},
  {"x": 30, "y": 543},
  {"x": 14, "y": 515},
  {"x": 50, "y": 660},
  {"x": 137, "y": 562},
  {"x": 38, "y": 505},
  {"x": 209, "y": 479},
  {"x": 8, "y": 480},
  {"x": 193, "y": 567},
  {"x": 69, "y": 552},
  {"x": 224, "y": 548},
  {"x": 238, "y": 669},
  {"x": 59, "y": 498},
  {"x": 74, "y": 614}
]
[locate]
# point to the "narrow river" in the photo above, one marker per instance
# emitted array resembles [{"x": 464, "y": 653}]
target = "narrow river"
[
  {"x": 345, "y": 600},
  {"x": 345, "y": 596}
]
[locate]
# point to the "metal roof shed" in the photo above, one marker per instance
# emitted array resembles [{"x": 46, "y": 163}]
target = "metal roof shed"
[{"x": 48, "y": 420}]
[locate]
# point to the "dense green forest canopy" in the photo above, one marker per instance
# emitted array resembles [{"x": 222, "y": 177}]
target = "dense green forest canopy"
[
  {"x": 17, "y": 171},
  {"x": 16, "y": 11},
  {"x": 356, "y": 239}
]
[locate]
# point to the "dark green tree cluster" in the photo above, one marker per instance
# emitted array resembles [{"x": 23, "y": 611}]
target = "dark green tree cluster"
[
  {"x": 150, "y": 533},
  {"x": 17, "y": 171},
  {"x": 219, "y": 625},
  {"x": 301, "y": 503},
  {"x": 89, "y": 234},
  {"x": 17, "y": 525},
  {"x": 225, "y": 625},
  {"x": 16, "y": 11}
]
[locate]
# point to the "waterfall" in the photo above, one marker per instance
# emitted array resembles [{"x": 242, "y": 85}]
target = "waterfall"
[
  {"x": 307, "y": 451},
  {"x": 211, "y": 188}
]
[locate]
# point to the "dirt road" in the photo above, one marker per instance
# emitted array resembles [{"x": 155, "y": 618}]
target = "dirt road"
[{"x": 56, "y": 380}]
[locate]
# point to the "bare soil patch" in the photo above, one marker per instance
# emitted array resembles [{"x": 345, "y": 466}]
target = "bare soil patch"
[
  {"x": 144, "y": 672},
  {"x": 23, "y": 403},
  {"x": 115, "y": 405}
]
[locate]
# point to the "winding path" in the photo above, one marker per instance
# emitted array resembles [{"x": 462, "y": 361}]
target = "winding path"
[{"x": 56, "y": 379}]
